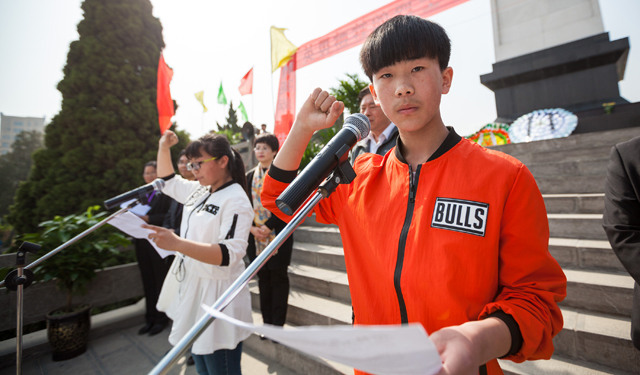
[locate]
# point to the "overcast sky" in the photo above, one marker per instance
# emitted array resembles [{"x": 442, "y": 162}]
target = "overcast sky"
[{"x": 210, "y": 42}]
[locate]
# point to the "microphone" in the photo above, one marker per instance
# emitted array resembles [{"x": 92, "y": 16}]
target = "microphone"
[
  {"x": 356, "y": 127},
  {"x": 156, "y": 185}
]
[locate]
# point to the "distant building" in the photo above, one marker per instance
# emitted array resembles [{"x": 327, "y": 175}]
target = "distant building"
[{"x": 10, "y": 126}]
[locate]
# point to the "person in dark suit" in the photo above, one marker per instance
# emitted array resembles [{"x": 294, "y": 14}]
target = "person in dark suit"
[
  {"x": 273, "y": 280},
  {"x": 621, "y": 218},
  {"x": 383, "y": 134},
  {"x": 153, "y": 268}
]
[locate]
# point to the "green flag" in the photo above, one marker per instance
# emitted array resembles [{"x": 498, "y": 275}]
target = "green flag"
[
  {"x": 221, "y": 98},
  {"x": 243, "y": 111}
]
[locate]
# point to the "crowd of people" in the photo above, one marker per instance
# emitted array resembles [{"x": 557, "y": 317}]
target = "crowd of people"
[{"x": 425, "y": 240}]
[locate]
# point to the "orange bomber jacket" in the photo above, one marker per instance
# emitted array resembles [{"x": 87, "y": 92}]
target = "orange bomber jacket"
[{"x": 468, "y": 238}]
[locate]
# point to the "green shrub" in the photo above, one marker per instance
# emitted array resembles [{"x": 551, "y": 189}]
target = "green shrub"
[{"x": 74, "y": 267}]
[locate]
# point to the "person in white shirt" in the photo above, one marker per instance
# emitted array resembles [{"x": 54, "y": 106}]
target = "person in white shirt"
[
  {"x": 382, "y": 137},
  {"x": 216, "y": 220}
]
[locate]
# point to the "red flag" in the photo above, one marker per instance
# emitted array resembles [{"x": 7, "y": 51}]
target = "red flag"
[
  {"x": 246, "y": 83},
  {"x": 165, "y": 104}
]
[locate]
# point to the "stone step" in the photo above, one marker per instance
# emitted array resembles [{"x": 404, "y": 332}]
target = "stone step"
[
  {"x": 311, "y": 221},
  {"x": 566, "y": 155},
  {"x": 595, "y": 167},
  {"x": 323, "y": 235},
  {"x": 570, "y": 253},
  {"x": 323, "y": 282},
  {"x": 294, "y": 361},
  {"x": 599, "y": 292},
  {"x": 607, "y": 293},
  {"x": 557, "y": 365},
  {"x": 323, "y": 256},
  {"x": 597, "y": 338},
  {"x": 598, "y": 140},
  {"x": 582, "y": 226},
  {"x": 571, "y": 184},
  {"x": 306, "y": 309},
  {"x": 574, "y": 203},
  {"x": 585, "y": 254}
]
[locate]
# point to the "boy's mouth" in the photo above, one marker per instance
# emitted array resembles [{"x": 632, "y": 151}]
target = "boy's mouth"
[{"x": 407, "y": 109}]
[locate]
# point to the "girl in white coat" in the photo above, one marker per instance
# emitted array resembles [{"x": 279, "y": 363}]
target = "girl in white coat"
[{"x": 216, "y": 220}]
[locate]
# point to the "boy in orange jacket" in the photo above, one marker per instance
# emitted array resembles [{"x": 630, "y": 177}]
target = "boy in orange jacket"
[{"x": 439, "y": 230}]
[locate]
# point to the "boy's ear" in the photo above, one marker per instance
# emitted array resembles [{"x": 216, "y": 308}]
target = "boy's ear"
[
  {"x": 447, "y": 78},
  {"x": 374, "y": 95}
]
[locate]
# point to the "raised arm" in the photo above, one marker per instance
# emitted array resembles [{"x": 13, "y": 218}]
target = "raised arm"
[
  {"x": 165, "y": 165},
  {"x": 319, "y": 111}
]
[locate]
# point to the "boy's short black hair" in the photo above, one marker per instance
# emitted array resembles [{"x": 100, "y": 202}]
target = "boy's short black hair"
[
  {"x": 364, "y": 92},
  {"x": 404, "y": 38},
  {"x": 151, "y": 163},
  {"x": 269, "y": 140}
]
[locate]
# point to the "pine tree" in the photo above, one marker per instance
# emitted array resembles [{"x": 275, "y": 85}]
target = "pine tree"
[
  {"x": 107, "y": 129},
  {"x": 232, "y": 120},
  {"x": 15, "y": 166}
]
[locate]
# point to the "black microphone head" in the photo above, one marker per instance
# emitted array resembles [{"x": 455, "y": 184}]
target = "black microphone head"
[{"x": 359, "y": 124}]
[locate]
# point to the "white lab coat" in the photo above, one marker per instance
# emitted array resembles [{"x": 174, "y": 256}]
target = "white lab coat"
[{"x": 221, "y": 217}]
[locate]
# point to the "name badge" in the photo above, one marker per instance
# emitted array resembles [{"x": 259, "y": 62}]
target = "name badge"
[{"x": 460, "y": 216}]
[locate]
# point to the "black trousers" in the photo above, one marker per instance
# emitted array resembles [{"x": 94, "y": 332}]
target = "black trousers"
[
  {"x": 153, "y": 270},
  {"x": 274, "y": 295}
]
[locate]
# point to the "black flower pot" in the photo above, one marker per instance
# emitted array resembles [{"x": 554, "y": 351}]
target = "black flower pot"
[{"x": 68, "y": 333}]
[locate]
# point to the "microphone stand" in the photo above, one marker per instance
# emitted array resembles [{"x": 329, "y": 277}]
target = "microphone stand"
[
  {"x": 343, "y": 174},
  {"x": 22, "y": 277}
]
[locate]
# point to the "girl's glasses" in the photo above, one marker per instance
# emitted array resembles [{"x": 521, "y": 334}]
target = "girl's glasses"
[{"x": 195, "y": 165}]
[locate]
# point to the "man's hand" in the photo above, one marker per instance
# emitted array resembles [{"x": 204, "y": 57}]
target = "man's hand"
[
  {"x": 466, "y": 347},
  {"x": 319, "y": 111},
  {"x": 165, "y": 238},
  {"x": 457, "y": 352},
  {"x": 258, "y": 233},
  {"x": 168, "y": 139}
]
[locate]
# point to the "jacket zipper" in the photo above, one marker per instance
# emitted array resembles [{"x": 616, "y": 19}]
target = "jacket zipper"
[{"x": 397, "y": 276}]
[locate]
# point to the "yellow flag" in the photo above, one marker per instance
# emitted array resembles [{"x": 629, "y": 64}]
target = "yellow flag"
[
  {"x": 281, "y": 49},
  {"x": 200, "y": 97}
]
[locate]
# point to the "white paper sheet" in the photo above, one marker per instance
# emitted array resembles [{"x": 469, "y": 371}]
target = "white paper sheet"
[
  {"x": 138, "y": 209},
  {"x": 131, "y": 225},
  {"x": 382, "y": 350}
]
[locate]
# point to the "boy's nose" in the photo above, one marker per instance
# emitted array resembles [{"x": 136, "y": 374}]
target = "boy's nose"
[{"x": 404, "y": 90}]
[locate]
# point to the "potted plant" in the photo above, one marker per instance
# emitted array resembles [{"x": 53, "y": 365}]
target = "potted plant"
[{"x": 73, "y": 269}]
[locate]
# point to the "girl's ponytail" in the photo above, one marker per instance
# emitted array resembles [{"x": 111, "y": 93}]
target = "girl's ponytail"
[{"x": 236, "y": 168}]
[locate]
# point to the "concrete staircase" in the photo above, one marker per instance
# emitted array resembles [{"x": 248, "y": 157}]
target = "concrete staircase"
[{"x": 570, "y": 173}]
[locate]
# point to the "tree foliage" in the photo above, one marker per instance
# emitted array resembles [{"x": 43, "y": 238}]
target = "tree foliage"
[
  {"x": 16, "y": 165},
  {"x": 107, "y": 128},
  {"x": 348, "y": 91},
  {"x": 74, "y": 267},
  {"x": 231, "y": 130}
]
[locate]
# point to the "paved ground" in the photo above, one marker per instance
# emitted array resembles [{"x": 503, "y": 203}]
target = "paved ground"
[{"x": 125, "y": 352}]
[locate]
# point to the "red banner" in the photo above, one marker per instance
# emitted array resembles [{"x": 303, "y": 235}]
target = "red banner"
[
  {"x": 163, "y": 99},
  {"x": 341, "y": 39},
  {"x": 286, "y": 108}
]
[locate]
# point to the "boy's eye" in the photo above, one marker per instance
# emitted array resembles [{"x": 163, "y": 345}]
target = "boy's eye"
[
  {"x": 417, "y": 68},
  {"x": 386, "y": 75}
]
